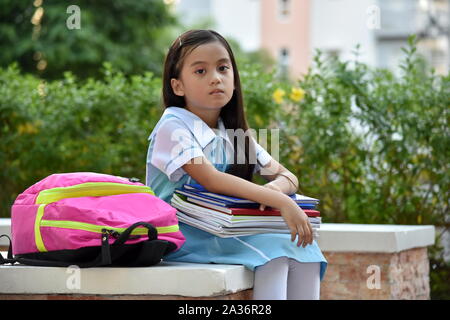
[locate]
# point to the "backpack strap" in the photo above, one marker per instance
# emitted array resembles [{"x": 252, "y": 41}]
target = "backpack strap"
[
  {"x": 9, "y": 258},
  {"x": 126, "y": 235}
]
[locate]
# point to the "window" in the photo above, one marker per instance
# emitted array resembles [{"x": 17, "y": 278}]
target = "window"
[
  {"x": 331, "y": 53},
  {"x": 283, "y": 63},
  {"x": 284, "y": 10}
]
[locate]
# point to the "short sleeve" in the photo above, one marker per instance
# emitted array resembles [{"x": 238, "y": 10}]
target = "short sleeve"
[
  {"x": 173, "y": 146},
  {"x": 262, "y": 156}
]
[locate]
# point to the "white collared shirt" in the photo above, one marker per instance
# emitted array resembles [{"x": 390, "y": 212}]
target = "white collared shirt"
[{"x": 181, "y": 135}]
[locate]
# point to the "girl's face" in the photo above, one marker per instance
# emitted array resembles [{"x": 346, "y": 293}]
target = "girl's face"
[{"x": 206, "y": 79}]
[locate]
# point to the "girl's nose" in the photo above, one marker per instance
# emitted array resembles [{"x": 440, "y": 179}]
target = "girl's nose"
[{"x": 215, "y": 78}]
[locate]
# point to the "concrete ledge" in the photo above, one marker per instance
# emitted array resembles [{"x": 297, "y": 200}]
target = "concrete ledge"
[
  {"x": 344, "y": 237},
  {"x": 167, "y": 278}
]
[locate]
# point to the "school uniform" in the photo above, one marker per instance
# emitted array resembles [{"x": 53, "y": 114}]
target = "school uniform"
[{"x": 179, "y": 136}]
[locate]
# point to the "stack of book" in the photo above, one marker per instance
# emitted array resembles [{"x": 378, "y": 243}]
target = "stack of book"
[{"x": 227, "y": 216}]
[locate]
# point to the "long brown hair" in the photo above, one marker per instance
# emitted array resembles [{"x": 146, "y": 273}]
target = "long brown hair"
[{"x": 232, "y": 114}]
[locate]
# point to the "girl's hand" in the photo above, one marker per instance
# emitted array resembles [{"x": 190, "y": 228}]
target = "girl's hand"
[
  {"x": 298, "y": 223},
  {"x": 271, "y": 186}
]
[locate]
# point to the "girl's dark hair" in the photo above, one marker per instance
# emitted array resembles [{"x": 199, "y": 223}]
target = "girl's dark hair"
[{"x": 232, "y": 114}]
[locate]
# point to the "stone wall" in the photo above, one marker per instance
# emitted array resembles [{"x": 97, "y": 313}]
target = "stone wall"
[{"x": 373, "y": 276}]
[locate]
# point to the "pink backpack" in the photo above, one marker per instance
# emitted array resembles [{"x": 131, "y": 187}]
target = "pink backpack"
[{"x": 90, "y": 219}]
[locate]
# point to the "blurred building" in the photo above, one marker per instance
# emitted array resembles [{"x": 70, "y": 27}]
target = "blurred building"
[
  {"x": 291, "y": 30},
  {"x": 237, "y": 19},
  {"x": 428, "y": 19},
  {"x": 338, "y": 26},
  {"x": 285, "y": 34}
]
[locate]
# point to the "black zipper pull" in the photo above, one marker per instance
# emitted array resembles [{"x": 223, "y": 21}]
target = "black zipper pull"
[
  {"x": 106, "y": 253},
  {"x": 115, "y": 234},
  {"x": 105, "y": 235}
]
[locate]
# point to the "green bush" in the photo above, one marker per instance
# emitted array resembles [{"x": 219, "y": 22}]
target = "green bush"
[
  {"x": 66, "y": 126},
  {"x": 374, "y": 147}
]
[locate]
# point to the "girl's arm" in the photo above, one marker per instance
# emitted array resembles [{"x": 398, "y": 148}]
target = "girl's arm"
[
  {"x": 201, "y": 170},
  {"x": 280, "y": 179},
  {"x": 279, "y": 176}
]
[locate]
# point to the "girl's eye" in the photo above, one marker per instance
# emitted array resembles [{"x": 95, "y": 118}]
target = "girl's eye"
[{"x": 221, "y": 69}]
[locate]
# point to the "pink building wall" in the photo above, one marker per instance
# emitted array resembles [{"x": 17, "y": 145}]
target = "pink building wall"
[{"x": 291, "y": 33}]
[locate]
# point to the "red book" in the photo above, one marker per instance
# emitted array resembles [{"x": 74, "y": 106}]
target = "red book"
[{"x": 266, "y": 212}]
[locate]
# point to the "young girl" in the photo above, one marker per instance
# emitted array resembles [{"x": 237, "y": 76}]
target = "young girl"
[{"x": 191, "y": 144}]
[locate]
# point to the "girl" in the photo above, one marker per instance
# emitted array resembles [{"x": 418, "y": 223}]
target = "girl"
[{"x": 191, "y": 144}]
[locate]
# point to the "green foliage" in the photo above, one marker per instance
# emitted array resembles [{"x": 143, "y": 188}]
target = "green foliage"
[
  {"x": 374, "y": 147},
  {"x": 393, "y": 169},
  {"x": 67, "y": 126},
  {"x": 130, "y": 34},
  {"x": 257, "y": 88},
  {"x": 439, "y": 272}
]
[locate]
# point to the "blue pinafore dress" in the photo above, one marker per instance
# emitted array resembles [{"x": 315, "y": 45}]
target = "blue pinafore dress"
[{"x": 179, "y": 136}]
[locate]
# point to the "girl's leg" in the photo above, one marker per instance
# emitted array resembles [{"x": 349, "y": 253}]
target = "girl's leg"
[
  {"x": 303, "y": 280},
  {"x": 271, "y": 279}
]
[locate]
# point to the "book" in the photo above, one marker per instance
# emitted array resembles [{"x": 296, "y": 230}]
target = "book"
[
  {"x": 200, "y": 190},
  {"x": 227, "y": 225},
  {"x": 226, "y": 232},
  {"x": 203, "y": 212},
  {"x": 210, "y": 199},
  {"x": 241, "y": 210}
]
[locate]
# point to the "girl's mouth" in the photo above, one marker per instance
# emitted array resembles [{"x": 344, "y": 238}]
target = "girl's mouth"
[{"x": 216, "y": 91}]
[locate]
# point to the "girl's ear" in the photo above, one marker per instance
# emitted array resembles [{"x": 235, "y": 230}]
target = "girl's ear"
[{"x": 177, "y": 87}]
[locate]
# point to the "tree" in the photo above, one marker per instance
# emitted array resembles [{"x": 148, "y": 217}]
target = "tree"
[{"x": 44, "y": 38}]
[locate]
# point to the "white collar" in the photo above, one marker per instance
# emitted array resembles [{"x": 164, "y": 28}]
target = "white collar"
[{"x": 203, "y": 133}]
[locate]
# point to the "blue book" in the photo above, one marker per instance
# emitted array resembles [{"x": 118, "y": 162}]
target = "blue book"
[
  {"x": 229, "y": 201},
  {"x": 200, "y": 196}
]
